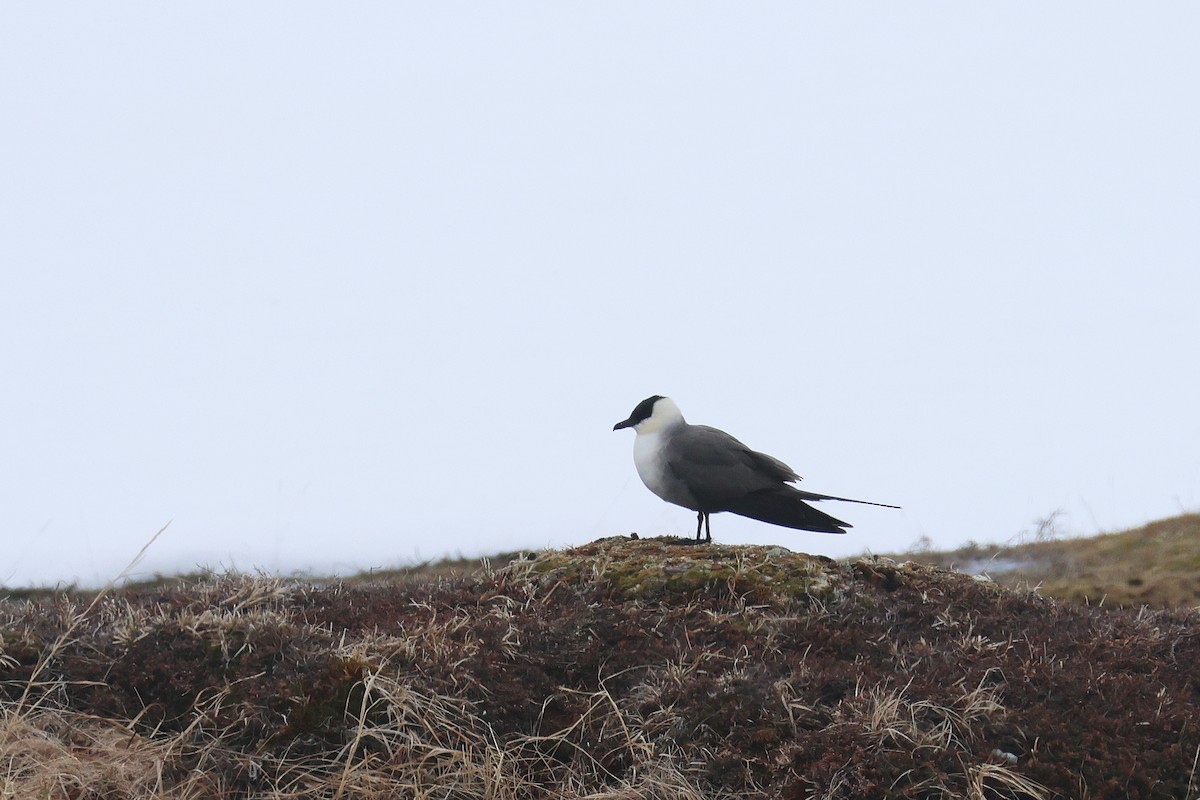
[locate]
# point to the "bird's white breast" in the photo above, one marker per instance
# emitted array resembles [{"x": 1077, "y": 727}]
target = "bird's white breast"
[{"x": 648, "y": 458}]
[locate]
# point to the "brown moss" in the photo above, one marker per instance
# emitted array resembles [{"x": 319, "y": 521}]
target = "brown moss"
[{"x": 740, "y": 671}]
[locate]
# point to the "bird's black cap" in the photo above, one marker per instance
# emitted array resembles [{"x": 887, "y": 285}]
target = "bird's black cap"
[{"x": 640, "y": 412}]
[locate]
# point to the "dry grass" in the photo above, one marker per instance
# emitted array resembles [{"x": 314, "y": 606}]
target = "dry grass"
[
  {"x": 1157, "y": 564},
  {"x": 400, "y": 741},
  {"x": 615, "y": 671},
  {"x": 403, "y": 743},
  {"x": 55, "y": 754}
]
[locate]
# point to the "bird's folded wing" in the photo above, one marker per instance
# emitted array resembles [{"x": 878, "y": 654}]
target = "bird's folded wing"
[{"x": 716, "y": 468}]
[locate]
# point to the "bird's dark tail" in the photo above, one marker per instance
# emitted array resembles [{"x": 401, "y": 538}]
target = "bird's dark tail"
[
  {"x": 814, "y": 496},
  {"x": 784, "y": 506}
]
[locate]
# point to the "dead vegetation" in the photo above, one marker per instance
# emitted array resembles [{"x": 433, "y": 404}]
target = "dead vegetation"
[{"x": 618, "y": 670}]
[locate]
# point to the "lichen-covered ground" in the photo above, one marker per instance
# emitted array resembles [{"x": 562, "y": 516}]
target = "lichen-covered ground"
[{"x": 620, "y": 669}]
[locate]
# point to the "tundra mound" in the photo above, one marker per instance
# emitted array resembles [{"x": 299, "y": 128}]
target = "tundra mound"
[{"x": 619, "y": 669}]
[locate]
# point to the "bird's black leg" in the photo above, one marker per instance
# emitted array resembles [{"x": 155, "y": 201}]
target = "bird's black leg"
[
  {"x": 699, "y": 523},
  {"x": 707, "y": 528}
]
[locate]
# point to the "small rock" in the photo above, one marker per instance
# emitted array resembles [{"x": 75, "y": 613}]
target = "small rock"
[{"x": 1011, "y": 758}]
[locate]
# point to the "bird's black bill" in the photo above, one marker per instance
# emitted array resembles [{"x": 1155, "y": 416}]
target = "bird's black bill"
[{"x": 625, "y": 423}]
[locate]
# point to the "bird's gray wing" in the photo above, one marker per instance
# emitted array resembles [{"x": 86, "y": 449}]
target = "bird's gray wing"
[
  {"x": 717, "y": 469},
  {"x": 772, "y": 465}
]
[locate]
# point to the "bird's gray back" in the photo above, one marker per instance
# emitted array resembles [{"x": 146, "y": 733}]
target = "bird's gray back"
[{"x": 714, "y": 468}]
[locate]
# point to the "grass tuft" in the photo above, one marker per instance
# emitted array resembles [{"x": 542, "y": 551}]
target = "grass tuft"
[{"x": 621, "y": 669}]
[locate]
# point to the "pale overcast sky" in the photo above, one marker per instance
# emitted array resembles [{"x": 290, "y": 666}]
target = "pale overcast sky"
[{"x": 341, "y": 286}]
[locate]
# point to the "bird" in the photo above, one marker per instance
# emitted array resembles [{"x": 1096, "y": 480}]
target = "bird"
[{"x": 709, "y": 471}]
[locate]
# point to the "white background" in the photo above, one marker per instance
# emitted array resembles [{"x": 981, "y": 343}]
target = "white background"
[{"x": 340, "y": 286}]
